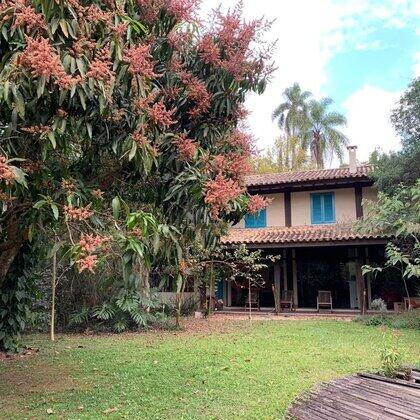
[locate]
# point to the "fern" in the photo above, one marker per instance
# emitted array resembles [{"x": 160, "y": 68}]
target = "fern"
[
  {"x": 104, "y": 312},
  {"x": 79, "y": 317},
  {"x": 120, "y": 326}
]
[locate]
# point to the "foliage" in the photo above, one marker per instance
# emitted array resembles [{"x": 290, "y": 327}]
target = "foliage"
[
  {"x": 205, "y": 369},
  {"x": 322, "y": 134},
  {"x": 391, "y": 354},
  {"x": 378, "y": 305},
  {"x": 291, "y": 114},
  {"x": 128, "y": 310},
  {"x": 16, "y": 301},
  {"x": 403, "y": 320},
  {"x": 118, "y": 125},
  {"x": 310, "y": 127},
  {"x": 287, "y": 154},
  {"x": 396, "y": 216},
  {"x": 402, "y": 167}
]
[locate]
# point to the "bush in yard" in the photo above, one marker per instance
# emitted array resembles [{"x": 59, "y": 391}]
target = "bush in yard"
[
  {"x": 406, "y": 319},
  {"x": 378, "y": 305},
  {"x": 391, "y": 354},
  {"x": 119, "y": 130}
]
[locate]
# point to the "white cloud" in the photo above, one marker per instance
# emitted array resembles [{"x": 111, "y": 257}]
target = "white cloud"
[
  {"x": 309, "y": 34},
  {"x": 368, "y": 111}
]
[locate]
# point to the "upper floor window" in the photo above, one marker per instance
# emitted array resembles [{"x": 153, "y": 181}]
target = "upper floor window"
[
  {"x": 322, "y": 208},
  {"x": 256, "y": 220}
]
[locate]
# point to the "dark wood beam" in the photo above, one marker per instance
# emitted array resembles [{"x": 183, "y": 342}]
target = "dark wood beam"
[
  {"x": 287, "y": 209},
  {"x": 358, "y": 195}
]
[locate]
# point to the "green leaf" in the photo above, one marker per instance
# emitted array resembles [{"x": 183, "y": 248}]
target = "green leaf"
[
  {"x": 132, "y": 151},
  {"x": 116, "y": 207},
  {"x": 51, "y": 136},
  {"x": 54, "y": 209}
]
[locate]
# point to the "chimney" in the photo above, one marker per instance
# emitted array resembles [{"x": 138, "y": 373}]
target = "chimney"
[{"x": 352, "y": 159}]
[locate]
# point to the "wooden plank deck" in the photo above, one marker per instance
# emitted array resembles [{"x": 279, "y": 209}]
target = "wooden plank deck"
[{"x": 359, "y": 397}]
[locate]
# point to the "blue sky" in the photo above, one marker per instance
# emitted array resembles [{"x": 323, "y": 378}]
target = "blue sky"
[{"x": 361, "y": 53}]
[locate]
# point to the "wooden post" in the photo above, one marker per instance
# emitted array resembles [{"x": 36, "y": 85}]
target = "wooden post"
[
  {"x": 361, "y": 282},
  {"x": 276, "y": 287},
  {"x": 285, "y": 287},
  {"x": 295, "y": 279}
]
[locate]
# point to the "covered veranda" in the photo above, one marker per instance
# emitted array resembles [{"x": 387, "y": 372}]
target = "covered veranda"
[{"x": 306, "y": 267}]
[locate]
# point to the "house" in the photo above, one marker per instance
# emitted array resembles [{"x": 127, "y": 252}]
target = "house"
[{"x": 309, "y": 224}]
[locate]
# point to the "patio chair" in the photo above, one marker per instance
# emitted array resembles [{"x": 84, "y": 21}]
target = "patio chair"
[
  {"x": 255, "y": 298},
  {"x": 324, "y": 300},
  {"x": 286, "y": 300}
]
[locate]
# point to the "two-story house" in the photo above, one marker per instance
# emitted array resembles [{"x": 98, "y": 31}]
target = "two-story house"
[{"x": 309, "y": 223}]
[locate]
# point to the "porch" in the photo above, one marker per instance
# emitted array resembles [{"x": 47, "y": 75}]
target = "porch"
[{"x": 304, "y": 271}]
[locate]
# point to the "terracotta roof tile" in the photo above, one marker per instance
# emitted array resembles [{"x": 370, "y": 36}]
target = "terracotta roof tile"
[
  {"x": 302, "y": 176},
  {"x": 295, "y": 234}
]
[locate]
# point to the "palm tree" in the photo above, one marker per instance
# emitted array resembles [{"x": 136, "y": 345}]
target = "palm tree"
[
  {"x": 292, "y": 112},
  {"x": 322, "y": 134}
]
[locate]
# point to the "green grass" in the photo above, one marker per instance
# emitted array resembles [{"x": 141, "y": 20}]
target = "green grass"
[{"x": 243, "y": 371}]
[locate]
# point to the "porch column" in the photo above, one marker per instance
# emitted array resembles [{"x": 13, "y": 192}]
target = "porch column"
[
  {"x": 295, "y": 280},
  {"x": 285, "y": 287},
  {"x": 361, "y": 282},
  {"x": 228, "y": 295},
  {"x": 277, "y": 275},
  {"x": 368, "y": 280}
]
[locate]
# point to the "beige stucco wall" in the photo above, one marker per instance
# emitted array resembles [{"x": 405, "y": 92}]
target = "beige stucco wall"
[
  {"x": 345, "y": 206},
  {"x": 275, "y": 212},
  {"x": 369, "y": 193}
]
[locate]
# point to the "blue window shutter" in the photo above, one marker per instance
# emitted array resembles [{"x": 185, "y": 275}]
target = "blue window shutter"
[
  {"x": 316, "y": 208},
  {"x": 322, "y": 208},
  {"x": 328, "y": 207},
  {"x": 257, "y": 220}
]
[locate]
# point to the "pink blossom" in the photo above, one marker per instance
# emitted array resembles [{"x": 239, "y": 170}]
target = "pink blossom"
[
  {"x": 140, "y": 61},
  {"x": 88, "y": 263},
  {"x": 100, "y": 68},
  {"x": 219, "y": 194},
  {"x": 209, "y": 51},
  {"x": 78, "y": 213},
  {"x": 90, "y": 243},
  {"x": 187, "y": 148},
  {"x": 6, "y": 172},
  {"x": 160, "y": 115},
  {"x": 257, "y": 203},
  {"x": 183, "y": 10},
  {"x": 43, "y": 61},
  {"x": 26, "y": 16},
  {"x": 197, "y": 92}
]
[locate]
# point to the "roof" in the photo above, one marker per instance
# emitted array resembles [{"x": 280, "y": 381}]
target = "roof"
[
  {"x": 305, "y": 176},
  {"x": 295, "y": 235}
]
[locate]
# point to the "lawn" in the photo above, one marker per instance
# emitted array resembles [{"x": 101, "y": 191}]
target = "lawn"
[{"x": 217, "y": 370}]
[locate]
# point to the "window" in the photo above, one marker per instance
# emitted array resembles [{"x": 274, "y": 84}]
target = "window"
[
  {"x": 322, "y": 208},
  {"x": 256, "y": 220}
]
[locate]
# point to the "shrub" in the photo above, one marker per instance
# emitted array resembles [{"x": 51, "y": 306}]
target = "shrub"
[
  {"x": 391, "y": 354},
  {"x": 378, "y": 305},
  {"x": 407, "y": 319}
]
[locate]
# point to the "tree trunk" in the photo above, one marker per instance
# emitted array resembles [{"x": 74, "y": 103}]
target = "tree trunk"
[
  {"x": 211, "y": 290},
  {"x": 53, "y": 286},
  {"x": 249, "y": 299},
  {"x": 11, "y": 247}
]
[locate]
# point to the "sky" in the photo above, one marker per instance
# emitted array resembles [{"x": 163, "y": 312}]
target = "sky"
[{"x": 361, "y": 53}]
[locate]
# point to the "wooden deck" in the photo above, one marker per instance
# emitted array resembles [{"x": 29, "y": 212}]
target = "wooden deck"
[{"x": 359, "y": 397}]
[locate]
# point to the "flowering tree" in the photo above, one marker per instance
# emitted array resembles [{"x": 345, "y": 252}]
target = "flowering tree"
[{"x": 131, "y": 99}]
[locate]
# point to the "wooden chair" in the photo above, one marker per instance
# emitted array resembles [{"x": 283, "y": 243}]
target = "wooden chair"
[
  {"x": 286, "y": 300},
  {"x": 255, "y": 298},
  {"x": 324, "y": 300}
]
